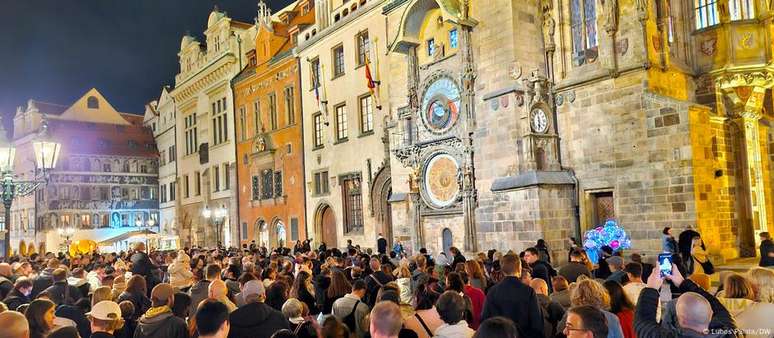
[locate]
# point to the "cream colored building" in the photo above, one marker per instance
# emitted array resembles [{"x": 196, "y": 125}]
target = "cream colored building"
[
  {"x": 160, "y": 117},
  {"x": 205, "y": 134},
  {"x": 348, "y": 179}
]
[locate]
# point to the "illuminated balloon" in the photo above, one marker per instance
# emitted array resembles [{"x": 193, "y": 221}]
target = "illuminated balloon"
[{"x": 611, "y": 235}]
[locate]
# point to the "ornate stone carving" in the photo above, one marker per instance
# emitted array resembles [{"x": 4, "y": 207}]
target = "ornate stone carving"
[
  {"x": 642, "y": 9},
  {"x": 611, "y": 16}
]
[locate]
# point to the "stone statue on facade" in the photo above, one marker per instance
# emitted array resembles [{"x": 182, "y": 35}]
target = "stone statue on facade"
[{"x": 611, "y": 16}]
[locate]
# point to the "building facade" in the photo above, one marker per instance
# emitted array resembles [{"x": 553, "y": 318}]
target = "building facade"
[
  {"x": 346, "y": 158},
  {"x": 160, "y": 117},
  {"x": 105, "y": 184},
  {"x": 521, "y": 120},
  {"x": 206, "y": 153},
  {"x": 269, "y": 133}
]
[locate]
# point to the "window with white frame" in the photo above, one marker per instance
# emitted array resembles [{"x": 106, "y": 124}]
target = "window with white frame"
[
  {"x": 342, "y": 131},
  {"x": 318, "y": 129},
  {"x": 366, "y": 114},
  {"x": 191, "y": 142},
  {"x": 219, "y": 122}
]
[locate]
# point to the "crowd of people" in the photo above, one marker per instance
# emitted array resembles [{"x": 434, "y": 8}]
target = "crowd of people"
[{"x": 328, "y": 292}]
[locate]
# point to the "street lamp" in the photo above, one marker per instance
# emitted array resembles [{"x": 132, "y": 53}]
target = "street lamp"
[
  {"x": 46, "y": 153},
  {"x": 67, "y": 232},
  {"x": 217, "y": 216}
]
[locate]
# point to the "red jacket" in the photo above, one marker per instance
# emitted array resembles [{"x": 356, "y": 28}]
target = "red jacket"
[
  {"x": 477, "y": 297},
  {"x": 626, "y": 317}
]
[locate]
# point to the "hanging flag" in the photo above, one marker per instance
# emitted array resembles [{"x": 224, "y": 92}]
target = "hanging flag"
[{"x": 372, "y": 76}]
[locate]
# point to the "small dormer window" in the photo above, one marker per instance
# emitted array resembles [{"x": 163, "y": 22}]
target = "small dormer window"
[{"x": 92, "y": 103}]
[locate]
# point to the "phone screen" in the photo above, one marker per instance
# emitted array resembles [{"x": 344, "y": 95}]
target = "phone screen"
[{"x": 665, "y": 264}]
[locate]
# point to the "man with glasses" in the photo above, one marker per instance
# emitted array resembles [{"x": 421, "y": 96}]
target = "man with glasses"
[{"x": 585, "y": 321}]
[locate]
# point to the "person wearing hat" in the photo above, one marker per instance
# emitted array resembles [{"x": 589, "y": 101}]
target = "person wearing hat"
[
  {"x": 105, "y": 318},
  {"x": 159, "y": 321},
  {"x": 254, "y": 318}
]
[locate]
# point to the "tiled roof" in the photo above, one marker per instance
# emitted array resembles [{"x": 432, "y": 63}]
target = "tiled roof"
[
  {"x": 86, "y": 138},
  {"x": 49, "y": 108}
]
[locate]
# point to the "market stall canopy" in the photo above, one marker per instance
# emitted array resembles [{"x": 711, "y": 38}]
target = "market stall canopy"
[{"x": 126, "y": 235}]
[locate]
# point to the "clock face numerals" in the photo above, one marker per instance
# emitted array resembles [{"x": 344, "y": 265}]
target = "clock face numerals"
[
  {"x": 440, "y": 105},
  {"x": 539, "y": 121}
]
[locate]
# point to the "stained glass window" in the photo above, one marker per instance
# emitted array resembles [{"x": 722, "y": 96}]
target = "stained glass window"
[
  {"x": 431, "y": 47},
  {"x": 590, "y": 16},
  {"x": 577, "y": 26},
  {"x": 256, "y": 188},
  {"x": 583, "y": 26},
  {"x": 453, "y": 40},
  {"x": 278, "y": 183}
]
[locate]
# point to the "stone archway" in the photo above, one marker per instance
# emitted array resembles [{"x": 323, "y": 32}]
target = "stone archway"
[
  {"x": 261, "y": 233},
  {"x": 279, "y": 235},
  {"x": 381, "y": 190},
  {"x": 325, "y": 226}
]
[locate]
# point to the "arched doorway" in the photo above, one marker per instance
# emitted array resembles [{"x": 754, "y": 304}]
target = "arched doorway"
[
  {"x": 381, "y": 190},
  {"x": 280, "y": 236},
  {"x": 325, "y": 226},
  {"x": 261, "y": 233},
  {"x": 446, "y": 240}
]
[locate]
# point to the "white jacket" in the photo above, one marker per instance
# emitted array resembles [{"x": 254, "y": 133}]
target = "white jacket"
[
  {"x": 459, "y": 330},
  {"x": 180, "y": 275},
  {"x": 404, "y": 284}
]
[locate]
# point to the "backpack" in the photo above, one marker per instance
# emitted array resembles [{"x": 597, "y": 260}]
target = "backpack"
[{"x": 350, "y": 320}]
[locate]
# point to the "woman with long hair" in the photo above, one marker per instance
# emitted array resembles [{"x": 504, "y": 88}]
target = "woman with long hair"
[
  {"x": 403, "y": 279},
  {"x": 426, "y": 318},
  {"x": 339, "y": 287},
  {"x": 40, "y": 316},
  {"x": 475, "y": 274},
  {"x": 622, "y": 307},
  {"x": 758, "y": 316},
  {"x": 739, "y": 298},
  {"x": 455, "y": 283},
  {"x": 277, "y": 294},
  {"x": 303, "y": 290},
  {"x": 136, "y": 290}
]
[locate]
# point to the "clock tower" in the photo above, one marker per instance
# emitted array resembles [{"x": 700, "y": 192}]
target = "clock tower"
[{"x": 539, "y": 145}]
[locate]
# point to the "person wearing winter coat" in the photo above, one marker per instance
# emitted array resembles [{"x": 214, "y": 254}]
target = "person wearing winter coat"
[
  {"x": 135, "y": 293},
  {"x": 512, "y": 299},
  {"x": 699, "y": 314},
  {"x": 159, "y": 321},
  {"x": 180, "y": 275},
  {"x": 668, "y": 241},
  {"x": 45, "y": 278},
  {"x": 255, "y": 319},
  {"x": 60, "y": 292},
  {"x": 20, "y": 294},
  {"x": 404, "y": 284}
]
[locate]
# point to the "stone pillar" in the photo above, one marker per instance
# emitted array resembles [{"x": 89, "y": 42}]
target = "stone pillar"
[{"x": 743, "y": 94}]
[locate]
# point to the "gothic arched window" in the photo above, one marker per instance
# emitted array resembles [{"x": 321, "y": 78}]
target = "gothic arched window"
[{"x": 583, "y": 23}]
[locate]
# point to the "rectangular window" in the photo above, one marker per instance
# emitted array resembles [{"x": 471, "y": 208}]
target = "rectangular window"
[
  {"x": 244, "y": 231},
  {"x": 163, "y": 196},
  {"x": 267, "y": 184},
  {"x": 186, "y": 187},
  {"x": 256, "y": 182},
  {"x": 363, "y": 47},
  {"x": 106, "y": 167},
  {"x": 453, "y": 39},
  {"x": 293, "y": 229},
  {"x": 583, "y": 26},
  {"x": 338, "y": 61},
  {"x": 318, "y": 128},
  {"x": 257, "y": 117},
  {"x": 198, "y": 183},
  {"x": 172, "y": 191},
  {"x": 216, "y": 178},
  {"x": 242, "y": 126},
  {"x": 191, "y": 143},
  {"x": 366, "y": 114},
  {"x": 353, "y": 203},
  {"x": 172, "y": 154},
  {"x": 290, "y": 108},
  {"x": 341, "y": 123},
  {"x": 273, "y": 111},
  {"x": 278, "y": 184},
  {"x": 315, "y": 80},
  {"x": 104, "y": 193},
  {"x": 430, "y": 47},
  {"x": 706, "y": 12},
  {"x": 226, "y": 177},
  {"x": 321, "y": 183},
  {"x": 741, "y": 9},
  {"x": 219, "y": 122}
]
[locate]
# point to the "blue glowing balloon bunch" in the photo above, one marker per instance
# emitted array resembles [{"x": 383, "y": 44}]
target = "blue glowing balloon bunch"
[{"x": 610, "y": 234}]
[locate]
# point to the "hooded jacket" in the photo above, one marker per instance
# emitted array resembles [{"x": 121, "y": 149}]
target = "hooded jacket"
[
  {"x": 255, "y": 320},
  {"x": 164, "y": 325}
]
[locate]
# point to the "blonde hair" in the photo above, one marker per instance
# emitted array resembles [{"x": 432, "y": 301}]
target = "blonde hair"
[
  {"x": 403, "y": 272},
  {"x": 763, "y": 282},
  {"x": 590, "y": 292},
  {"x": 737, "y": 286},
  {"x": 100, "y": 294}
]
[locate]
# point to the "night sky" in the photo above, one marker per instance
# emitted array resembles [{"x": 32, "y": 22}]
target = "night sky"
[{"x": 56, "y": 50}]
